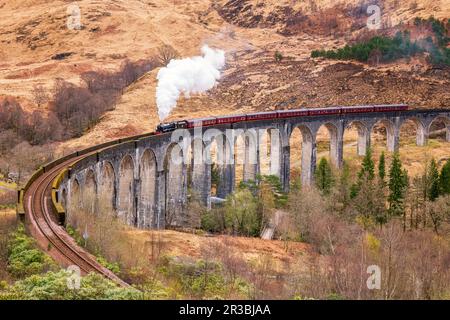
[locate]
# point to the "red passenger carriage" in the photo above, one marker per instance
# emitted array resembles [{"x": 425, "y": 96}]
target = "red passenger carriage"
[{"x": 260, "y": 116}]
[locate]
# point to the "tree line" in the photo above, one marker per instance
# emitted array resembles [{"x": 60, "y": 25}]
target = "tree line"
[
  {"x": 72, "y": 108},
  {"x": 386, "y": 48},
  {"x": 378, "y": 196}
]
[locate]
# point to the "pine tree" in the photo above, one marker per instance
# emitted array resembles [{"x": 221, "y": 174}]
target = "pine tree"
[
  {"x": 382, "y": 168},
  {"x": 444, "y": 178},
  {"x": 397, "y": 187},
  {"x": 370, "y": 203},
  {"x": 367, "y": 173},
  {"x": 381, "y": 215},
  {"x": 324, "y": 176},
  {"x": 434, "y": 184},
  {"x": 368, "y": 166},
  {"x": 341, "y": 194}
]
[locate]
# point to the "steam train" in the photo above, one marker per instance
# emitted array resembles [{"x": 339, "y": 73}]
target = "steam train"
[{"x": 205, "y": 122}]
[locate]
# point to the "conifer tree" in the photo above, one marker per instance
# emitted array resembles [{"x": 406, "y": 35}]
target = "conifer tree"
[
  {"x": 341, "y": 192},
  {"x": 397, "y": 186},
  {"x": 382, "y": 168},
  {"x": 368, "y": 166},
  {"x": 366, "y": 173},
  {"x": 444, "y": 178},
  {"x": 434, "y": 184},
  {"x": 324, "y": 176}
]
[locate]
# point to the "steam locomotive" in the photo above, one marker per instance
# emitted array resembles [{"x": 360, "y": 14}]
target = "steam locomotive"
[{"x": 205, "y": 122}]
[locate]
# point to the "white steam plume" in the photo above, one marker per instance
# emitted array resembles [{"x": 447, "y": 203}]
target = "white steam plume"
[{"x": 189, "y": 76}]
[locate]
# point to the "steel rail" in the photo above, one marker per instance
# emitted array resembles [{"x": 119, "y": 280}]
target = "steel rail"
[{"x": 51, "y": 236}]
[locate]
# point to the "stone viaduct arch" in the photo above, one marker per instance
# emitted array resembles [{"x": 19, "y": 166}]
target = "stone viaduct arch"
[
  {"x": 308, "y": 154},
  {"x": 175, "y": 185},
  {"x": 108, "y": 189},
  {"x": 363, "y": 135},
  {"x": 145, "y": 182},
  {"x": 90, "y": 193},
  {"x": 147, "y": 199},
  {"x": 126, "y": 203}
]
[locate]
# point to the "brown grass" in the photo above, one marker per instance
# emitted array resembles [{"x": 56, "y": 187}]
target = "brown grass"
[{"x": 7, "y": 224}]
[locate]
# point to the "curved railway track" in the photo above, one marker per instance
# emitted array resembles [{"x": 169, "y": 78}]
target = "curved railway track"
[{"x": 52, "y": 237}]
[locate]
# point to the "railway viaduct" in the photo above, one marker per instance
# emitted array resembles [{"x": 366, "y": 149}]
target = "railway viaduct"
[{"x": 146, "y": 181}]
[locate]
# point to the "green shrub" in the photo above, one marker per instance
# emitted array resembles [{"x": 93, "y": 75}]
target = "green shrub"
[
  {"x": 215, "y": 175},
  {"x": 400, "y": 46},
  {"x": 53, "y": 286},
  {"x": 335, "y": 296},
  {"x": 278, "y": 56},
  {"x": 75, "y": 235},
  {"x": 324, "y": 176},
  {"x": 202, "y": 279},
  {"x": 24, "y": 259},
  {"x": 112, "y": 266},
  {"x": 213, "y": 221},
  {"x": 155, "y": 290},
  {"x": 241, "y": 213},
  {"x": 274, "y": 182}
]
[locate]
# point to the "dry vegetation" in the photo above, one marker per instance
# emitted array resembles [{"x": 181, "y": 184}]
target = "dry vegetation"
[
  {"x": 64, "y": 89},
  {"x": 165, "y": 256},
  {"x": 325, "y": 245},
  {"x": 7, "y": 225},
  {"x": 414, "y": 264},
  {"x": 135, "y": 30}
]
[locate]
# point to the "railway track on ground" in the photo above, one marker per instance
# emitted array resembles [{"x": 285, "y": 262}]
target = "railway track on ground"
[{"x": 52, "y": 237}]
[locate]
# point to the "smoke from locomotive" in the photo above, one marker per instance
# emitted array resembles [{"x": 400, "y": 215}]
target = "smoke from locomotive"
[{"x": 188, "y": 76}]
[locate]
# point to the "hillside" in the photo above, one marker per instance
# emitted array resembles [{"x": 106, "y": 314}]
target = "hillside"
[
  {"x": 32, "y": 32},
  {"x": 63, "y": 89}
]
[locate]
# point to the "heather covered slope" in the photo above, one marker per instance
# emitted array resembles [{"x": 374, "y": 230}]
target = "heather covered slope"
[{"x": 251, "y": 32}]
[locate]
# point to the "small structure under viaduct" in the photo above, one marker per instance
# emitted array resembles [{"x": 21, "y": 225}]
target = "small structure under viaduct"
[{"x": 146, "y": 182}]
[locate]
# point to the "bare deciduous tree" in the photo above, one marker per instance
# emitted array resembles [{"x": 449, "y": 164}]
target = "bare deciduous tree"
[
  {"x": 165, "y": 54},
  {"x": 40, "y": 95}
]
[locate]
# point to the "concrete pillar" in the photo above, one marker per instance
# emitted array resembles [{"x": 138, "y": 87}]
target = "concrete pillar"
[
  {"x": 422, "y": 135},
  {"x": 251, "y": 156},
  {"x": 146, "y": 186},
  {"x": 363, "y": 141},
  {"x": 199, "y": 172},
  {"x": 141, "y": 206},
  {"x": 207, "y": 189},
  {"x": 175, "y": 187},
  {"x": 285, "y": 168},
  {"x": 221, "y": 187},
  {"x": 230, "y": 177},
  {"x": 309, "y": 159},
  {"x": 393, "y": 136},
  {"x": 221, "y": 168},
  {"x": 337, "y": 145},
  {"x": 135, "y": 216},
  {"x": 276, "y": 156},
  {"x": 201, "y": 182},
  {"x": 226, "y": 168},
  {"x": 160, "y": 200}
]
